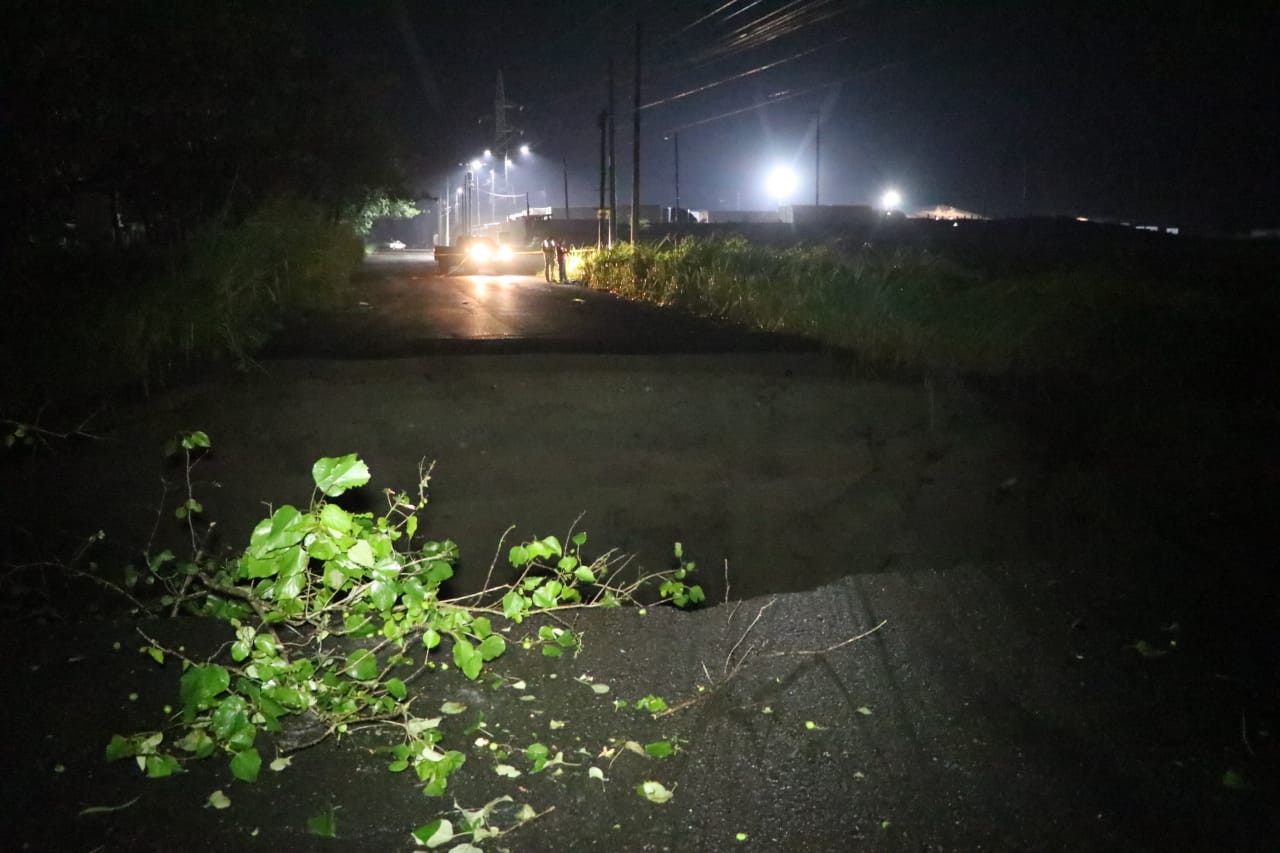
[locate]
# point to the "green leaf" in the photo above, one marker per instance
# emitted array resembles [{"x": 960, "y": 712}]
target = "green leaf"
[
  {"x": 334, "y": 475},
  {"x": 411, "y": 525},
  {"x": 159, "y": 766},
  {"x": 544, "y": 597},
  {"x": 157, "y": 655},
  {"x": 1234, "y": 780},
  {"x": 362, "y": 665},
  {"x": 438, "y": 571},
  {"x": 361, "y": 554},
  {"x": 246, "y": 764},
  {"x": 434, "y": 834},
  {"x": 200, "y": 684},
  {"x": 580, "y": 538},
  {"x": 452, "y": 708},
  {"x": 467, "y": 658},
  {"x": 324, "y": 824},
  {"x": 519, "y": 556},
  {"x": 195, "y": 439},
  {"x": 122, "y": 747},
  {"x": 513, "y": 605},
  {"x": 584, "y": 574},
  {"x": 197, "y": 742},
  {"x": 492, "y": 647},
  {"x": 218, "y": 800},
  {"x": 396, "y": 688},
  {"x": 287, "y": 527},
  {"x": 336, "y": 518},
  {"x": 383, "y": 595},
  {"x": 659, "y": 748},
  {"x": 537, "y": 754}
]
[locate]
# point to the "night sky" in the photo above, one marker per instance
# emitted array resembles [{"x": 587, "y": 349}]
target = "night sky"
[{"x": 1155, "y": 111}]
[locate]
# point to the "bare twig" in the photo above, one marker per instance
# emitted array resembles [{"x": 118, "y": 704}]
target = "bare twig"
[
  {"x": 729, "y": 657},
  {"x": 838, "y": 645},
  {"x": 730, "y": 673},
  {"x": 1244, "y": 737}
]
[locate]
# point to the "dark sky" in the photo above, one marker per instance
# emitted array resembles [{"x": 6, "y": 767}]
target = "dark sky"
[{"x": 1140, "y": 111}]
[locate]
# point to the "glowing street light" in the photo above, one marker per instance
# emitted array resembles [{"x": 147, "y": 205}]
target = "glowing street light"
[
  {"x": 476, "y": 164},
  {"x": 524, "y": 150},
  {"x": 781, "y": 183},
  {"x": 891, "y": 199},
  {"x": 488, "y": 153}
]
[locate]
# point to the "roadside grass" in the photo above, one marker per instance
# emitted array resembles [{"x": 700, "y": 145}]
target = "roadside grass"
[
  {"x": 139, "y": 322},
  {"x": 920, "y": 311}
]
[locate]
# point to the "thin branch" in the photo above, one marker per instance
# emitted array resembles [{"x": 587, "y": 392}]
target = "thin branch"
[{"x": 729, "y": 657}]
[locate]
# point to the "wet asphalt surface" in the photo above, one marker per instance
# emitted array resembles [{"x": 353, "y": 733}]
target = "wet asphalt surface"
[{"x": 409, "y": 306}]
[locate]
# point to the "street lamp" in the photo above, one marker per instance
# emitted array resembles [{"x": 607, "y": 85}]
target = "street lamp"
[
  {"x": 891, "y": 199},
  {"x": 780, "y": 183},
  {"x": 524, "y": 150}
]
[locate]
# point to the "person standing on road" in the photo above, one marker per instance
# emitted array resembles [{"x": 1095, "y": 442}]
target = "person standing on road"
[
  {"x": 548, "y": 256},
  {"x": 561, "y": 252}
]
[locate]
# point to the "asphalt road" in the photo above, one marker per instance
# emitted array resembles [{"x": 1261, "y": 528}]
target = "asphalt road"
[{"x": 408, "y": 306}]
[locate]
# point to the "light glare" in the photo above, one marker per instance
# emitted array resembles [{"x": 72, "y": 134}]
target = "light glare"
[
  {"x": 781, "y": 182},
  {"x": 891, "y": 199}
]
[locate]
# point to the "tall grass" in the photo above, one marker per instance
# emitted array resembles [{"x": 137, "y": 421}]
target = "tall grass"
[
  {"x": 914, "y": 309},
  {"x": 142, "y": 319}
]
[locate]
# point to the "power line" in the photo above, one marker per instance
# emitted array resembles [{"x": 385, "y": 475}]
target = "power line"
[
  {"x": 748, "y": 73},
  {"x": 786, "y": 96}
]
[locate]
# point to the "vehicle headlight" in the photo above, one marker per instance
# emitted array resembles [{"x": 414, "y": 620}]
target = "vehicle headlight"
[
  {"x": 504, "y": 253},
  {"x": 479, "y": 252}
]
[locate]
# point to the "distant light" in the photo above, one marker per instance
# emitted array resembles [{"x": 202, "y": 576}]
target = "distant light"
[
  {"x": 1082, "y": 219},
  {"x": 475, "y": 164},
  {"x": 524, "y": 149},
  {"x": 487, "y": 153},
  {"x": 459, "y": 190},
  {"x": 781, "y": 182},
  {"x": 891, "y": 199}
]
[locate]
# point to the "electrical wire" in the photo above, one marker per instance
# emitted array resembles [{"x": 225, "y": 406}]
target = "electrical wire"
[{"x": 748, "y": 73}]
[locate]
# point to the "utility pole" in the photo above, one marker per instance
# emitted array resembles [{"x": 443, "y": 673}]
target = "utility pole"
[
  {"x": 613, "y": 171},
  {"x": 635, "y": 150},
  {"x": 675, "y": 138},
  {"x": 448, "y": 201},
  {"x": 817, "y": 155},
  {"x": 601, "y": 211}
]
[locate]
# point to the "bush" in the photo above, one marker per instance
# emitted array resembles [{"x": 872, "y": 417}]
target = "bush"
[
  {"x": 217, "y": 298},
  {"x": 914, "y": 309}
]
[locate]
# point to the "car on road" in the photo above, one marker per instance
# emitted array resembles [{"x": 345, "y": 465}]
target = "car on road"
[{"x": 475, "y": 254}]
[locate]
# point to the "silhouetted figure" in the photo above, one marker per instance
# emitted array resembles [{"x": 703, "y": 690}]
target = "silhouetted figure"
[
  {"x": 548, "y": 257},
  {"x": 561, "y": 252}
]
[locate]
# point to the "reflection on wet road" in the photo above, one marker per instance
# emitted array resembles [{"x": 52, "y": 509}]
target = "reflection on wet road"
[{"x": 403, "y": 305}]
